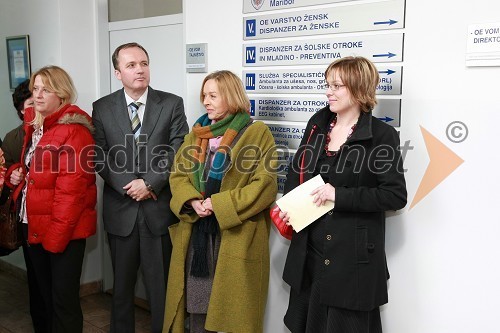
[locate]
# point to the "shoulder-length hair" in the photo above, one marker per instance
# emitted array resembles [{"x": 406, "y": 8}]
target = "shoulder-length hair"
[
  {"x": 231, "y": 90},
  {"x": 360, "y": 76},
  {"x": 57, "y": 80}
]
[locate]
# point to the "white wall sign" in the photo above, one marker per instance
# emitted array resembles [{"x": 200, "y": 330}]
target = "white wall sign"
[
  {"x": 196, "y": 58},
  {"x": 358, "y": 17},
  {"x": 251, "y": 6},
  {"x": 302, "y": 108},
  {"x": 311, "y": 81},
  {"x": 483, "y": 45},
  {"x": 286, "y": 108},
  {"x": 287, "y": 135},
  {"x": 377, "y": 48},
  {"x": 279, "y": 81}
]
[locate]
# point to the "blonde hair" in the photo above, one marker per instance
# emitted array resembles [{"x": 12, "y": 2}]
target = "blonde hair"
[
  {"x": 360, "y": 76},
  {"x": 58, "y": 81},
  {"x": 231, "y": 90}
]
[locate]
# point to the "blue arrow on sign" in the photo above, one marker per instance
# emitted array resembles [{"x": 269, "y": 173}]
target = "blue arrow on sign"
[
  {"x": 386, "y": 119},
  {"x": 388, "y": 72},
  {"x": 390, "y": 22},
  {"x": 388, "y": 55}
]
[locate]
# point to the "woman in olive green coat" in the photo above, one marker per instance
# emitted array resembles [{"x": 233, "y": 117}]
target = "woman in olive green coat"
[{"x": 224, "y": 174}]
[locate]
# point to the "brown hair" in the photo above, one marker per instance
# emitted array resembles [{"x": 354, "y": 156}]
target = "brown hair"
[
  {"x": 231, "y": 90},
  {"x": 114, "y": 57},
  {"x": 360, "y": 76}
]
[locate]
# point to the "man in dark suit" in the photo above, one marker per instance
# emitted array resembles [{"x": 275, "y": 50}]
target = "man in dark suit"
[{"x": 137, "y": 132}]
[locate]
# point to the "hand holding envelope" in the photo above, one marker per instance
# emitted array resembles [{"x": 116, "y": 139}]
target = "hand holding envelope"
[{"x": 299, "y": 205}]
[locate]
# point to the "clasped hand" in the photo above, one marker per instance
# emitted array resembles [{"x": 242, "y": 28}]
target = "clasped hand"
[
  {"x": 203, "y": 208},
  {"x": 138, "y": 190}
]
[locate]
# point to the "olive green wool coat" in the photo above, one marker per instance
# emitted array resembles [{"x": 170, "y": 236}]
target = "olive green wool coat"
[{"x": 239, "y": 292}]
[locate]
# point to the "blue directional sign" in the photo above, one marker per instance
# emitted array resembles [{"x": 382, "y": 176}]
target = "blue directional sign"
[
  {"x": 377, "y": 48},
  {"x": 311, "y": 80},
  {"x": 288, "y": 108},
  {"x": 380, "y": 15},
  {"x": 301, "y": 109}
]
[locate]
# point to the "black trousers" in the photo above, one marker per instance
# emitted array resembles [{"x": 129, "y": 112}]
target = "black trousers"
[
  {"x": 57, "y": 276},
  {"x": 152, "y": 253},
  {"x": 39, "y": 314}
]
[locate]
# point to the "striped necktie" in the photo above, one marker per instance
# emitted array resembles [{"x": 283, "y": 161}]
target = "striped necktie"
[{"x": 134, "y": 119}]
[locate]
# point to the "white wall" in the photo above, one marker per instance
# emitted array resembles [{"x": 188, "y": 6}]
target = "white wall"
[
  {"x": 443, "y": 253},
  {"x": 61, "y": 33},
  {"x": 21, "y": 18}
]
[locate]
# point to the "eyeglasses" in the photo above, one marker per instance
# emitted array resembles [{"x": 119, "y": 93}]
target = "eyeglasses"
[{"x": 333, "y": 87}]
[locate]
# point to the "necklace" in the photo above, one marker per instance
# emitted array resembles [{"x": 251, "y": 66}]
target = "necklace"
[{"x": 328, "y": 139}]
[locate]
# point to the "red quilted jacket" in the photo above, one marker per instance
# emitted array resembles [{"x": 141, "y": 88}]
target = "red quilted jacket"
[
  {"x": 62, "y": 194},
  {"x": 2, "y": 169}
]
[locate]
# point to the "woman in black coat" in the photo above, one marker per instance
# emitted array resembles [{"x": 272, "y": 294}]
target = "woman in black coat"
[{"x": 336, "y": 267}]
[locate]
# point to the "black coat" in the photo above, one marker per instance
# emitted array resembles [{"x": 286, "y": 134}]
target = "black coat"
[
  {"x": 368, "y": 180},
  {"x": 12, "y": 146}
]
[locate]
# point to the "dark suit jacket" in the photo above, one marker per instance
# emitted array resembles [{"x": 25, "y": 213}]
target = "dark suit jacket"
[{"x": 119, "y": 160}]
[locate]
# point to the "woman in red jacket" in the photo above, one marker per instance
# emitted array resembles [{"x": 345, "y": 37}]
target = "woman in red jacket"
[
  {"x": 56, "y": 194},
  {"x": 2, "y": 169}
]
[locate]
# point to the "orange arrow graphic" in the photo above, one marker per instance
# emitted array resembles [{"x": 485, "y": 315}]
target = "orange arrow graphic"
[{"x": 442, "y": 163}]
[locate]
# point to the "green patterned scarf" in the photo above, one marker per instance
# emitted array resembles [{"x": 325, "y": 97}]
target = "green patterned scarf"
[{"x": 229, "y": 127}]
